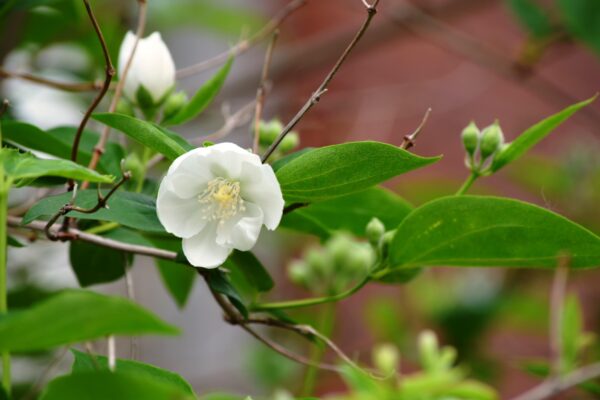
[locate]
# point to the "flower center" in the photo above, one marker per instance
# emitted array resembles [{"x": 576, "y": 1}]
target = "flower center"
[{"x": 222, "y": 200}]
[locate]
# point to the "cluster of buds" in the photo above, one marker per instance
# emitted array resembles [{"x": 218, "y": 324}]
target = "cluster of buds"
[
  {"x": 268, "y": 133},
  {"x": 482, "y": 146},
  {"x": 331, "y": 268}
]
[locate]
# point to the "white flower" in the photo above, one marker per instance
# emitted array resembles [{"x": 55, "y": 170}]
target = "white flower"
[
  {"x": 216, "y": 199},
  {"x": 152, "y": 66}
]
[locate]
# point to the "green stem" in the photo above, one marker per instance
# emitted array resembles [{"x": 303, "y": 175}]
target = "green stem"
[
  {"x": 145, "y": 158},
  {"x": 325, "y": 326},
  {"x": 105, "y": 227},
  {"x": 4, "y": 187},
  {"x": 313, "y": 301},
  {"x": 470, "y": 180}
]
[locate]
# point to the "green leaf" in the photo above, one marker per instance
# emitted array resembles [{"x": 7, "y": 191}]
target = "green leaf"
[
  {"x": 178, "y": 278},
  {"x": 218, "y": 281},
  {"x": 103, "y": 385},
  {"x": 337, "y": 170},
  {"x": 534, "y": 134},
  {"x": 490, "y": 231},
  {"x": 582, "y": 19},
  {"x": 25, "y": 167},
  {"x": 532, "y": 16},
  {"x": 251, "y": 269},
  {"x": 93, "y": 264},
  {"x": 74, "y": 316},
  {"x": 349, "y": 213},
  {"x": 134, "y": 210},
  {"x": 286, "y": 159},
  {"x": 58, "y": 142},
  {"x": 83, "y": 362},
  {"x": 144, "y": 132},
  {"x": 187, "y": 146},
  {"x": 203, "y": 97},
  {"x": 11, "y": 241}
]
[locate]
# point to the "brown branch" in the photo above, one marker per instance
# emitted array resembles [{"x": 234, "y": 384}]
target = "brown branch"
[
  {"x": 64, "y": 233},
  {"x": 66, "y": 86},
  {"x": 109, "y": 70},
  {"x": 99, "y": 148},
  {"x": 261, "y": 91},
  {"x": 244, "y": 45},
  {"x": 409, "y": 140},
  {"x": 554, "y": 386},
  {"x": 232, "y": 316},
  {"x": 76, "y": 234},
  {"x": 316, "y": 96}
]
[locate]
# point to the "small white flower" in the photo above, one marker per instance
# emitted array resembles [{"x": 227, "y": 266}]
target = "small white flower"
[
  {"x": 216, "y": 199},
  {"x": 152, "y": 66}
]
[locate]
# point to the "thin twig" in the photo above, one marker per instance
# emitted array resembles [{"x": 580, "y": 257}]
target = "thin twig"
[
  {"x": 261, "y": 91},
  {"x": 66, "y": 86},
  {"x": 316, "y": 96},
  {"x": 76, "y": 234},
  {"x": 67, "y": 208},
  {"x": 232, "y": 121},
  {"x": 557, "y": 303},
  {"x": 100, "y": 146},
  {"x": 244, "y": 45},
  {"x": 409, "y": 140},
  {"x": 37, "y": 386},
  {"x": 109, "y": 70},
  {"x": 232, "y": 316},
  {"x": 554, "y": 386}
]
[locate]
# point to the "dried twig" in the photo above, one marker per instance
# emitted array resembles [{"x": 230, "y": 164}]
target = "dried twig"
[
  {"x": 99, "y": 148},
  {"x": 66, "y": 86},
  {"x": 554, "y": 386},
  {"x": 316, "y": 96},
  {"x": 409, "y": 140},
  {"x": 64, "y": 234},
  {"x": 244, "y": 45},
  {"x": 261, "y": 91},
  {"x": 109, "y": 70},
  {"x": 76, "y": 234}
]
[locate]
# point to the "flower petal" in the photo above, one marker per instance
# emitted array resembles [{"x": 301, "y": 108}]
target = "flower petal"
[
  {"x": 241, "y": 232},
  {"x": 201, "y": 250},
  {"x": 261, "y": 187},
  {"x": 181, "y": 217}
]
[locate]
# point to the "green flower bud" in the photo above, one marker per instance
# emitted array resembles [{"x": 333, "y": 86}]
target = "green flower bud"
[
  {"x": 134, "y": 165},
  {"x": 174, "y": 103},
  {"x": 388, "y": 237},
  {"x": 125, "y": 107},
  {"x": 375, "y": 230},
  {"x": 318, "y": 262},
  {"x": 470, "y": 138},
  {"x": 386, "y": 358},
  {"x": 298, "y": 273},
  {"x": 361, "y": 259},
  {"x": 268, "y": 131},
  {"x": 289, "y": 142},
  {"x": 491, "y": 140},
  {"x": 428, "y": 350},
  {"x": 340, "y": 247}
]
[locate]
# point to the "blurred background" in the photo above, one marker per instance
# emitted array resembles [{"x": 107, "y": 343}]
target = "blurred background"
[{"x": 517, "y": 61}]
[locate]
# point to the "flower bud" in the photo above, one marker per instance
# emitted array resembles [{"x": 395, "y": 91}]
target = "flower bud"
[
  {"x": 298, "y": 273},
  {"x": 387, "y": 239},
  {"x": 125, "y": 107},
  {"x": 174, "y": 103},
  {"x": 134, "y": 165},
  {"x": 375, "y": 230},
  {"x": 268, "y": 131},
  {"x": 491, "y": 140},
  {"x": 470, "y": 138},
  {"x": 318, "y": 262},
  {"x": 152, "y": 68},
  {"x": 386, "y": 358},
  {"x": 428, "y": 349},
  {"x": 289, "y": 142}
]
